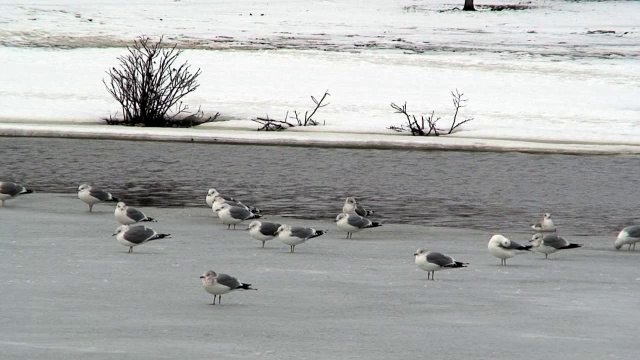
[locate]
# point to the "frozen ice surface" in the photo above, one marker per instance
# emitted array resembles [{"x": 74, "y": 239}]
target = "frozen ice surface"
[{"x": 69, "y": 290}]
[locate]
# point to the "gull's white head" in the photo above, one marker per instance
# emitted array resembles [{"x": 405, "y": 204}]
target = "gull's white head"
[
  {"x": 420, "y": 252},
  {"x": 351, "y": 200},
  {"x": 341, "y": 216},
  {"x": 212, "y": 192},
  {"x": 537, "y": 237},
  {"x": 536, "y": 243},
  {"x": 283, "y": 228},
  {"x": 121, "y": 229},
  {"x": 223, "y": 206},
  {"x": 209, "y": 274},
  {"x": 218, "y": 199},
  {"x": 83, "y": 187},
  {"x": 500, "y": 240},
  {"x": 547, "y": 216},
  {"x": 121, "y": 206},
  {"x": 254, "y": 224}
]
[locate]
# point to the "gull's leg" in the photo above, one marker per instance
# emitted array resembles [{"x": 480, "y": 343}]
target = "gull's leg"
[{"x": 263, "y": 244}]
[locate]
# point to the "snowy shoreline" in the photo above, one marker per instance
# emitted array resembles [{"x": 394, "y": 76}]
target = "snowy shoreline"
[{"x": 314, "y": 139}]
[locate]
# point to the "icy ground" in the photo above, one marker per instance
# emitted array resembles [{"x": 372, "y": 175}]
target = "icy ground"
[{"x": 70, "y": 290}]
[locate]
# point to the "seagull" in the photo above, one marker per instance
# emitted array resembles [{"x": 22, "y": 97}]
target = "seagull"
[
  {"x": 263, "y": 231},
  {"x": 232, "y": 215},
  {"x": 218, "y": 201},
  {"x": 212, "y": 193},
  {"x": 435, "y": 261},
  {"x": 548, "y": 244},
  {"x": 352, "y": 223},
  {"x": 127, "y": 215},
  {"x": 296, "y": 235},
  {"x": 352, "y": 206},
  {"x": 92, "y": 195},
  {"x": 628, "y": 236},
  {"x": 544, "y": 225},
  {"x": 220, "y": 284},
  {"x": 503, "y": 248},
  {"x": 132, "y": 236},
  {"x": 10, "y": 190}
]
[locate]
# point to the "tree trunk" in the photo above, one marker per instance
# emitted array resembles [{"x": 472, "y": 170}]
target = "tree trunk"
[{"x": 468, "y": 5}]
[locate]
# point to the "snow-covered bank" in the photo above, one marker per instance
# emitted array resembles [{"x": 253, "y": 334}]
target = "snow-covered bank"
[
  {"x": 536, "y": 80},
  {"x": 315, "y": 139},
  {"x": 70, "y": 290}
]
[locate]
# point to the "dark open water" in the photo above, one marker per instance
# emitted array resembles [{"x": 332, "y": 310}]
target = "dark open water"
[{"x": 490, "y": 191}]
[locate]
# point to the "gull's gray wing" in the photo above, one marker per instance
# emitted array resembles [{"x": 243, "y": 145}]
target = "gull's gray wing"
[
  {"x": 139, "y": 234},
  {"x": 238, "y": 212},
  {"x": 439, "y": 259},
  {"x": 302, "y": 233},
  {"x": 633, "y": 231},
  {"x": 358, "y": 221},
  {"x": 99, "y": 194},
  {"x": 555, "y": 241},
  {"x": 269, "y": 228},
  {"x": 10, "y": 188},
  {"x": 135, "y": 214},
  {"x": 227, "y": 280}
]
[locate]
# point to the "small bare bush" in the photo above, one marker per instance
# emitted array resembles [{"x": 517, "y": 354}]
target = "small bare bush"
[
  {"x": 269, "y": 124},
  {"x": 427, "y": 124},
  {"x": 149, "y": 86}
]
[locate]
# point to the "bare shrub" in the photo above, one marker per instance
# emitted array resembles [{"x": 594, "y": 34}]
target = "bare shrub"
[
  {"x": 427, "y": 125},
  {"x": 269, "y": 124},
  {"x": 149, "y": 86}
]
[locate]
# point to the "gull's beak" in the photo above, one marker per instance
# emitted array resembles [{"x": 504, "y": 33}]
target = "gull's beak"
[
  {"x": 114, "y": 234},
  {"x": 416, "y": 254},
  {"x": 201, "y": 277},
  {"x": 247, "y": 229}
]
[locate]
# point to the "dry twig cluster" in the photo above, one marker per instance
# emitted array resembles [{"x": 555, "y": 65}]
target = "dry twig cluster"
[
  {"x": 148, "y": 85},
  {"x": 427, "y": 125},
  {"x": 269, "y": 124}
]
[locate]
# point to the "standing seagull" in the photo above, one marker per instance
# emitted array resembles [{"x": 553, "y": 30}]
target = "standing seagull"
[
  {"x": 92, "y": 195},
  {"x": 263, "y": 231},
  {"x": 127, "y": 215},
  {"x": 544, "y": 225},
  {"x": 352, "y": 206},
  {"x": 296, "y": 235},
  {"x": 10, "y": 190},
  {"x": 628, "y": 236},
  {"x": 220, "y": 284},
  {"x": 212, "y": 193},
  {"x": 435, "y": 261},
  {"x": 351, "y": 223},
  {"x": 132, "y": 236},
  {"x": 548, "y": 244},
  {"x": 232, "y": 215},
  {"x": 218, "y": 201},
  {"x": 503, "y": 248}
]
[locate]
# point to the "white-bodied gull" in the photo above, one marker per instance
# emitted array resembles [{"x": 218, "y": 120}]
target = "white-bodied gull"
[
  {"x": 548, "y": 244},
  {"x": 352, "y": 206},
  {"x": 232, "y": 215},
  {"x": 220, "y": 284},
  {"x": 127, "y": 215},
  {"x": 132, "y": 236},
  {"x": 352, "y": 223},
  {"x": 296, "y": 235},
  {"x": 545, "y": 224},
  {"x": 503, "y": 248},
  {"x": 263, "y": 230},
  {"x": 212, "y": 193},
  {"x": 431, "y": 261},
  {"x": 91, "y": 195},
  {"x": 9, "y": 190},
  {"x": 628, "y": 236},
  {"x": 218, "y": 201}
]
